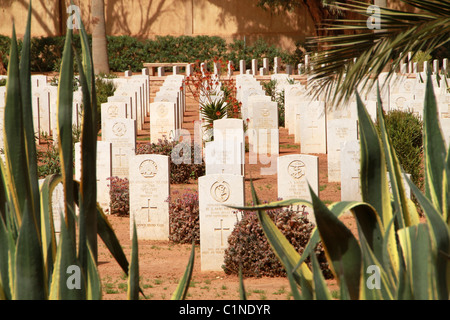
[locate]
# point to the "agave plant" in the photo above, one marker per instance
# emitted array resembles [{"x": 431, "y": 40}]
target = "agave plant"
[
  {"x": 33, "y": 265},
  {"x": 410, "y": 258}
]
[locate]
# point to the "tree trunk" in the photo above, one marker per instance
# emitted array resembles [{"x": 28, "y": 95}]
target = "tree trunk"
[{"x": 99, "y": 42}]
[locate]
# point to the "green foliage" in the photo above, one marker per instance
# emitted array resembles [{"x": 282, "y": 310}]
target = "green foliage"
[
  {"x": 179, "y": 172},
  {"x": 401, "y": 124},
  {"x": 33, "y": 265},
  {"x": 38, "y": 266},
  {"x": 420, "y": 57},
  {"x": 104, "y": 89},
  {"x": 48, "y": 158},
  {"x": 239, "y": 50},
  {"x": 248, "y": 247},
  {"x": 119, "y": 193},
  {"x": 213, "y": 110},
  {"x": 270, "y": 87},
  {"x": 129, "y": 53},
  {"x": 396, "y": 256},
  {"x": 184, "y": 217},
  {"x": 2, "y": 82}
]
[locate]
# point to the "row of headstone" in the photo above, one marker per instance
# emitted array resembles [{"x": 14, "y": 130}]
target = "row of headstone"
[
  {"x": 257, "y": 69},
  {"x": 351, "y": 174},
  {"x": 167, "y": 109},
  {"x": 130, "y": 99},
  {"x": 218, "y": 191},
  {"x": 44, "y": 106},
  {"x": 261, "y": 115},
  {"x": 226, "y": 153}
]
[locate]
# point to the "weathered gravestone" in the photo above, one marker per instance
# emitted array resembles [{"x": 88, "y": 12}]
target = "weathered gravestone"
[
  {"x": 350, "y": 171},
  {"x": 338, "y": 131},
  {"x": 312, "y": 127},
  {"x": 263, "y": 127},
  {"x": 122, "y": 135},
  {"x": 226, "y": 154},
  {"x": 216, "y": 220},
  {"x": 57, "y": 206},
  {"x": 113, "y": 110},
  {"x": 104, "y": 172},
  {"x": 162, "y": 121},
  {"x": 295, "y": 172},
  {"x": 149, "y": 194}
]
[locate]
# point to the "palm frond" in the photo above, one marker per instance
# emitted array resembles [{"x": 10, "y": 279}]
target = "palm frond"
[{"x": 356, "y": 60}]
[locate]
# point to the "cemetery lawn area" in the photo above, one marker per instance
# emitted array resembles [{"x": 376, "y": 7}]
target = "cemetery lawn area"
[{"x": 162, "y": 263}]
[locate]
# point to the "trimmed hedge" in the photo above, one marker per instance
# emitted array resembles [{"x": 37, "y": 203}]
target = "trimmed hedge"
[{"x": 129, "y": 53}]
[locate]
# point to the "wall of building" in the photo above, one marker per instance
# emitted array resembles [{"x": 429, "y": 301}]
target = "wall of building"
[{"x": 230, "y": 19}]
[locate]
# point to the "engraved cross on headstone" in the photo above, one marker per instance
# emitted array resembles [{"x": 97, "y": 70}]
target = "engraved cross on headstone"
[
  {"x": 149, "y": 209},
  {"x": 221, "y": 229},
  {"x": 314, "y": 128},
  {"x": 119, "y": 157}
]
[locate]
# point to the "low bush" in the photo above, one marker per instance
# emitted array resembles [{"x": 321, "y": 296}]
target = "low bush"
[
  {"x": 48, "y": 158},
  {"x": 248, "y": 246},
  {"x": 179, "y": 173},
  {"x": 270, "y": 88},
  {"x": 120, "y": 196},
  {"x": 401, "y": 124},
  {"x": 184, "y": 217},
  {"x": 129, "y": 53}
]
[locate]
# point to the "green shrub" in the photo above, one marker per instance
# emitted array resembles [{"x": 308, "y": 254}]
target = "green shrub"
[
  {"x": 104, "y": 89},
  {"x": 405, "y": 131},
  {"x": 120, "y": 196},
  {"x": 2, "y": 82},
  {"x": 48, "y": 158},
  {"x": 276, "y": 96},
  {"x": 126, "y": 53},
  {"x": 129, "y": 53},
  {"x": 179, "y": 173},
  {"x": 184, "y": 217},
  {"x": 248, "y": 246}
]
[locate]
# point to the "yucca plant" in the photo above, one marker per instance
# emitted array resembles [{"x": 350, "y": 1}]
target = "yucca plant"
[
  {"x": 409, "y": 258},
  {"x": 33, "y": 265}
]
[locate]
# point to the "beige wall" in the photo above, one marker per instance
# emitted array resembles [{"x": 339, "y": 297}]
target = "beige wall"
[{"x": 230, "y": 19}]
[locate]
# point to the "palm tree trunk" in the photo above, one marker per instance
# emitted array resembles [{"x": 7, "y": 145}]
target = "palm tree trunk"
[{"x": 99, "y": 42}]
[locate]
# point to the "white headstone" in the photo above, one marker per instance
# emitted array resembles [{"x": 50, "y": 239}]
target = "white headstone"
[
  {"x": 122, "y": 135},
  {"x": 312, "y": 127},
  {"x": 338, "y": 131},
  {"x": 162, "y": 121},
  {"x": 104, "y": 172},
  {"x": 295, "y": 172},
  {"x": 350, "y": 172},
  {"x": 217, "y": 221},
  {"x": 113, "y": 110},
  {"x": 149, "y": 194}
]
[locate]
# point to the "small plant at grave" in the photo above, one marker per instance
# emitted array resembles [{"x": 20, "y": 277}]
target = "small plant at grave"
[
  {"x": 179, "y": 172},
  {"x": 2, "y": 82},
  {"x": 104, "y": 89},
  {"x": 215, "y": 93},
  {"x": 184, "y": 218},
  {"x": 401, "y": 124},
  {"x": 270, "y": 87},
  {"x": 48, "y": 158},
  {"x": 120, "y": 196},
  {"x": 248, "y": 247}
]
